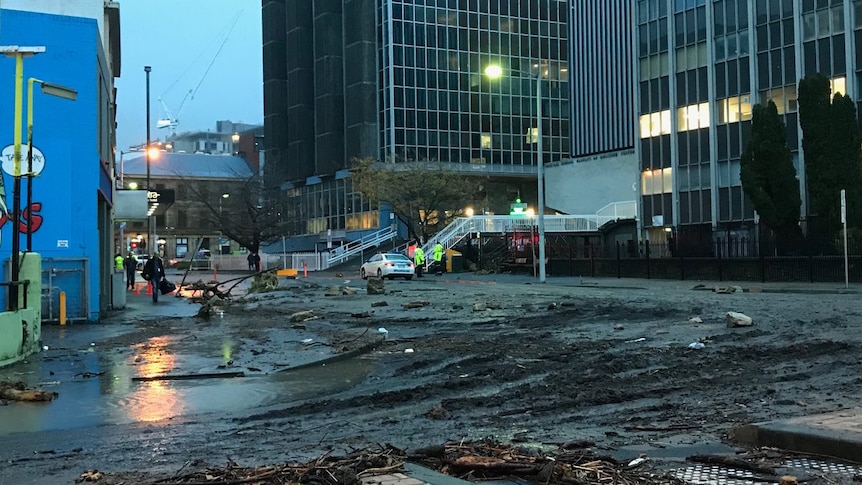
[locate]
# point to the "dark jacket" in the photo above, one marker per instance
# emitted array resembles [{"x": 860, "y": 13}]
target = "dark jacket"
[{"x": 154, "y": 269}]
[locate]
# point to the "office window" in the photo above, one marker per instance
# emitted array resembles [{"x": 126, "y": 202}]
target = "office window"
[
  {"x": 655, "y": 124},
  {"x": 838, "y": 85},
  {"x": 693, "y": 116},
  {"x": 657, "y": 181},
  {"x": 731, "y": 110}
]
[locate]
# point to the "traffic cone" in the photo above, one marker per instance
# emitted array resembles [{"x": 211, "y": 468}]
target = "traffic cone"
[
  {"x": 149, "y": 289},
  {"x": 137, "y": 289}
]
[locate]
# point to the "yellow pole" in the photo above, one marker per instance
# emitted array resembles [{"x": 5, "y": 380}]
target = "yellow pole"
[
  {"x": 19, "y": 108},
  {"x": 62, "y": 308},
  {"x": 30, "y": 110}
]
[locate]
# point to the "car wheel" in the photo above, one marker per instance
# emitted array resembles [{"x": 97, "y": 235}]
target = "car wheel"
[
  {"x": 362, "y": 274},
  {"x": 408, "y": 278},
  {"x": 380, "y": 273}
]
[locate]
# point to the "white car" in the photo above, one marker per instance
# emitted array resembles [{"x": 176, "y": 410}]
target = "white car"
[{"x": 387, "y": 265}]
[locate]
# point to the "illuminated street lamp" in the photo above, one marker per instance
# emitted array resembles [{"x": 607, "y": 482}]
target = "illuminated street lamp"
[
  {"x": 223, "y": 197},
  {"x": 50, "y": 89},
  {"x": 494, "y": 72}
]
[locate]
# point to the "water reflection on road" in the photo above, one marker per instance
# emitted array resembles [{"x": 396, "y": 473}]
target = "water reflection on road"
[{"x": 113, "y": 398}]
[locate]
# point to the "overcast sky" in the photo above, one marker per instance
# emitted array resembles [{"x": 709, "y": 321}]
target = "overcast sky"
[{"x": 180, "y": 39}]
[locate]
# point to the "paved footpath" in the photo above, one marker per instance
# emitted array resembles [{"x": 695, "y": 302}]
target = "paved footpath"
[{"x": 837, "y": 434}]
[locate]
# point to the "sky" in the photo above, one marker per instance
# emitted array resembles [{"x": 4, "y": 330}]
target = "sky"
[{"x": 209, "y": 47}]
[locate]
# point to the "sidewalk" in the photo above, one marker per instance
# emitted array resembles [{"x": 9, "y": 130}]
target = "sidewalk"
[{"x": 837, "y": 434}]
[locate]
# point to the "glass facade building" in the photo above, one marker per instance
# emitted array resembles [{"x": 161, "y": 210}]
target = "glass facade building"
[
  {"x": 701, "y": 66},
  {"x": 438, "y": 105},
  {"x": 403, "y": 81}
]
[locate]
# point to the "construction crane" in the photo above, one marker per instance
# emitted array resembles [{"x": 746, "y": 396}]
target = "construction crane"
[{"x": 172, "y": 120}]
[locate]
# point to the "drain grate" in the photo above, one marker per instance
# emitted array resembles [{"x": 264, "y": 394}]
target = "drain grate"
[
  {"x": 719, "y": 475},
  {"x": 824, "y": 467}
]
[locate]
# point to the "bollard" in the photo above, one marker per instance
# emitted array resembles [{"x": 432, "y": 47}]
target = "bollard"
[
  {"x": 305, "y": 269},
  {"x": 215, "y": 271},
  {"x": 62, "y": 308}
]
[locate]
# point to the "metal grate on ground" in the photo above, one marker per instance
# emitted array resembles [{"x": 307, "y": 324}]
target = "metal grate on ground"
[{"x": 719, "y": 475}]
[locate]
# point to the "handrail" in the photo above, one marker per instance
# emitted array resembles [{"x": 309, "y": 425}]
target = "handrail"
[
  {"x": 347, "y": 251},
  {"x": 462, "y": 226}
]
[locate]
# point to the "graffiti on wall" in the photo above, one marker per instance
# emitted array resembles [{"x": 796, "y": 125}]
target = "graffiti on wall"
[{"x": 30, "y": 220}]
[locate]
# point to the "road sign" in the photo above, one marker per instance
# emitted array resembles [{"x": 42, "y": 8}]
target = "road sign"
[
  {"x": 8, "y": 158},
  {"x": 843, "y": 208}
]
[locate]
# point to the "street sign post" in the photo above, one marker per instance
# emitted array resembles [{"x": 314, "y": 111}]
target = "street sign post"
[{"x": 844, "y": 223}]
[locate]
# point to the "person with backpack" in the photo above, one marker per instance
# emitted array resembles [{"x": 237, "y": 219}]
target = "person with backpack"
[{"x": 154, "y": 272}]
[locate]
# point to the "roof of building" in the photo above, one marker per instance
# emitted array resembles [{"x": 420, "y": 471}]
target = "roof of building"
[{"x": 187, "y": 165}]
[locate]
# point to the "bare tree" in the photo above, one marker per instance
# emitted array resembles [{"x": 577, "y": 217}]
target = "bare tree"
[
  {"x": 244, "y": 216},
  {"x": 425, "y": 197}
]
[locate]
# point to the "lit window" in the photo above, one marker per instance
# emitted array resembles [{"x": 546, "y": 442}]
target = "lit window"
[
  {"x": 486, "y": 140},
  {"x": 732, "y": 110},
  {"x": 693, "y": 116},
  {"x": 838, "y": 85},
  {"x": 644, "y": 119},
  {"x": 532, "y": 136},
  {"x": 655, "y": 124},
  {"x": 784, "y": 99},
  {"x": 657, "y": 181}
]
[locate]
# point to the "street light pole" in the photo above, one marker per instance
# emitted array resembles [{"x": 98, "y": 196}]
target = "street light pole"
[
  {"x": 19, "y": 53},
  {"x": 540, "y": 174},
  {"x": 51, "y": 90},
  {"x": 147, "y": 70},
  {"x": 494, "y": 72}
]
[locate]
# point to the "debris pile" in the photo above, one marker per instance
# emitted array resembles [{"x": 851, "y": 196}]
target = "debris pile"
[
  {"x": 326, "y": 470},
  {"x": 572, "y": 463}
]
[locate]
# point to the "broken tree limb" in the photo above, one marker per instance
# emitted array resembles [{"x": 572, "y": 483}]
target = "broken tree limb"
[
  {"x": 672, "y": 427},
  {"x": 182, "y": 377},
  {"x": 17, "y": 392}
]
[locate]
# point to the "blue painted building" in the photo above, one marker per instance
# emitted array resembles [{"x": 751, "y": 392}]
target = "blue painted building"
[{"x": 69, "y": 211}]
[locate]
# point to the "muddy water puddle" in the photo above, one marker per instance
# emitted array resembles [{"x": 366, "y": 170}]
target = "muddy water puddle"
[{"x": 96, "y": 385}]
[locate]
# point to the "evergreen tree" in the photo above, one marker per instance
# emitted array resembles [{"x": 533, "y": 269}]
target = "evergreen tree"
[
  {"x": 768, "y": 175},
  {"x": 845, "y": 167},
  {"x": 830, "y": 143}
]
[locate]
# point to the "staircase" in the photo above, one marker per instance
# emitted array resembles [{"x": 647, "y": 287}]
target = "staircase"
[
  {"x": 341, "y": 254},
  {"x": 464, "y": 226}
]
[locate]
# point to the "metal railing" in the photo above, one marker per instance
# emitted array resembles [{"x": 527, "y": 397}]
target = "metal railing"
[
  {"x": 464, "y": 226},
  {"x": 341, "y": 254}
]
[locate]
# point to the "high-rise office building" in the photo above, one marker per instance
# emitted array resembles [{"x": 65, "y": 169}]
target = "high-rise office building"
[
  {"x": 701, "y": 66},
  {"x": 603, "y": 165},
  {"x": 403, "y": 81}
]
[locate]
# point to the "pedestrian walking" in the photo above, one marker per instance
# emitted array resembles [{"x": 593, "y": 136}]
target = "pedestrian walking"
[
  {"x": 154, "y": 272},
  {"x": 419, "y": 260},
  {"x": 256, "y": 262},
  {"x": 131, "y": 264},
  {"x": 250, "y": 259}
]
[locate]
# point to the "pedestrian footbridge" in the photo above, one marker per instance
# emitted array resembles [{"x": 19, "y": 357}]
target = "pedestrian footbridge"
[{"x": 463, "y": 227}]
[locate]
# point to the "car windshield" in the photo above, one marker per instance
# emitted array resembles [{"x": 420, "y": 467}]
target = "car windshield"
[{"x": 396, "y": 257}]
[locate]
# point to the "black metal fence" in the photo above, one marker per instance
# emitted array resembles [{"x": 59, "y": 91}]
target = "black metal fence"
[{"x": 740, "y": 260}]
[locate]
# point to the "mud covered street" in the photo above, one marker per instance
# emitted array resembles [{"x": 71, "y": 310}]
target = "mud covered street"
[{"x": 606, "y": 361}]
